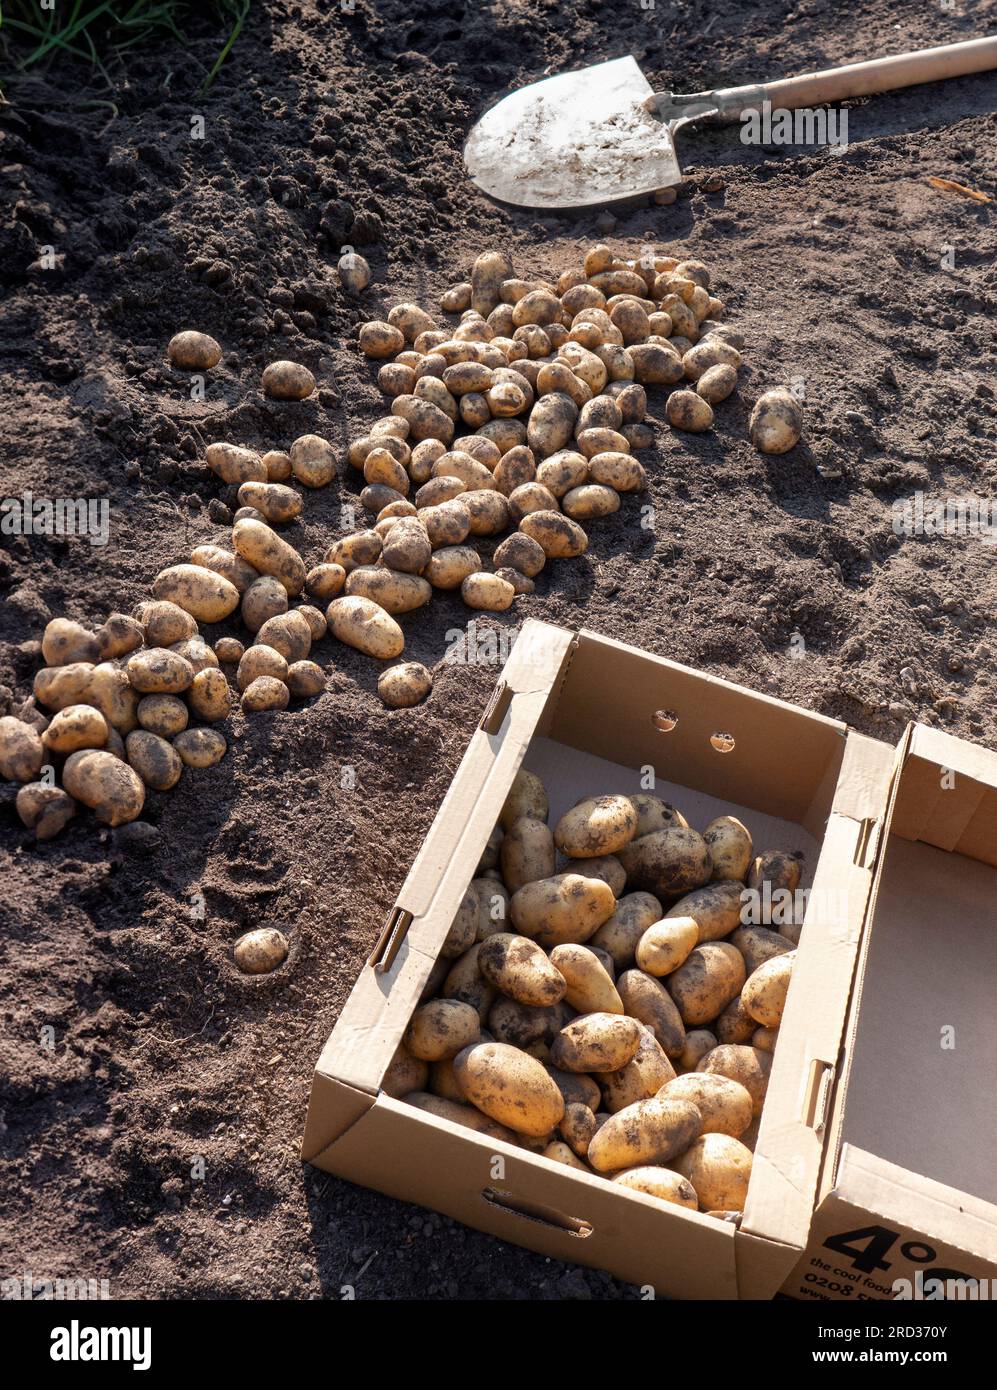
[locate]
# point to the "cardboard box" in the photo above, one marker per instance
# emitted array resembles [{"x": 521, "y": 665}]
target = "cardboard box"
[
  {"x": 909, "y": 1191},
  {"x": 590, "y": 716}
]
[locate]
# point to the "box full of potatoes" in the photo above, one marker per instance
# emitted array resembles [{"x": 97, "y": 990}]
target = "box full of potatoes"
[
  {"x": 907, "y": 1200},
  {"x": 603, "y": 1019}
]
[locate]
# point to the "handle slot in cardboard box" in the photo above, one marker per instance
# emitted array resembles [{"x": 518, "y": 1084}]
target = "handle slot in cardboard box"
[
  {"x": 531, "y": 1211},
  {"x": 817, "y": 1099},
  {"x": 498, "y": 707},
  {"x": 392, "y": 935}
]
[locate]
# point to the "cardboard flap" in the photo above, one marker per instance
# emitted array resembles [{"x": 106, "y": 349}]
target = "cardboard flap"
[{"x": 948, "y": 795}]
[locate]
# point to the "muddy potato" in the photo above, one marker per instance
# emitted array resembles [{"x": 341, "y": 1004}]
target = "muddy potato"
[
  {"x": 590, "y": 989},
  {"x": 510, "y": 1087},
  {"x": 734, "y": 1024},
  {"x": 597, "y": 826},
  {"x": 209, "y": 696},
  {"x": 260, "y": 660},
  {"x": 487, "y": 274},
  {"x": 287, "y": 381},
  {"x": 118, "y": 636},
  {"x": 717, "y": 383},
  {"x": 317, "y": 625},
  {"x": 55, "y": 687},
  {"x": 426, "y": 420},
  {"x": 234, "y": 465},
  {"x": 265, "y": 598},
  {"x": 551, "y": 424},
  {"x": 563, "y": 471},
  {"x": 725, "y": 1105},
  {"x": 366, "y": 626},
  {"x": 659, "y": 1182},
  {"x": 730, "y": 846},
  {"x": 576, "y": 1088},
  {"x": 260, "y": 951},
  {"x": 459, "y": 1114},
  {"x": 197, "y": 652},
  {"x": 621, "y": 932},
  {"x": 527, "y": 797},
  {"x": 200, "y": 747},
  {"x": 109, "y": 787},
  {"x": 487, "y": 592},
  {"x": 529, "y": 498},
  {"x": 109, "y": 690},
  {"x": 713, "y": 352},
  {"x": 270, "y": 554},
  {"x": 193, "y": 351},
  {"x": 710, "y": 977},
  {"x": 776, "y": 422},
  {"x": 765, "y": 1039},
  {"x": 685, "y": 410},
  {"x": 22, "y": 751},
  {"x": 305, "y": 679},
  {"x": 265, "y": 693},
  {"x": 666, "y": 944},
  {"x": 528, "y": 1026},
  {"x": 229, "y": 651},
  {"x": 380, "y": 468},
  {"x": 562, "y": 908},
  {"x": 206, "y": 595},
  {"x": 487, "y": 510},
  {"x": 65, "y": 642},
  {"x": 362, "y": 548},
  {"x": 278, "y": 465},
  {"x": 493, "y": 906},
  {"x": 446, "y": 524},
  {"x": 325, "y": 581},
  {"x": 158, "y": 671},
  {"x": 465, "y": 982},
  {"x": 604, "y": 866},
  {"x": 698, "y": 1042},
  {"x": 153, "y": 759},
  {"x": 164, "y": 715},
  {"x": 287, "y": 633},
  {"x": 719, "y": 1169},
  {"x": 527, "y": 854},
  {"x": 451, "y": 565},
  {"x": 278, "y": 503},
  {"x": 519, "y": 968},
  {"x": 515, "y": 468},
  {"x": 596, "y": 1042},
  {"x": 45, "y": 810},
  {"x": 654, "y": 814},
  {"x": 777, "y": 869},
  {"x": 404, "y": 1074},
  {"x": 577, "y": 1127},
  {"x": 590, "y": 502},
  {"x": 558, "y": 536},
  {"x": 667, "y": 861},
  {"x": 716, "y": 909},
  {"x": 559, "y": 1152},
  {"x": 405, "y": 685},
  {"x": 649, "y": 1131},
  {"x": 739, "y": 1062},
  {"x": 647, "y": 1000},
  {"x": 620, "y": 471},
  {"x": 407, "y": 547},
  {"x": 765, "y": 990},
  {"x": 759, "y": 944},
  {"x": 642, "y": 1077}
]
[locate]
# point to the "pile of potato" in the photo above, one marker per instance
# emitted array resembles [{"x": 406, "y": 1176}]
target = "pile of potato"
[{"x": 611, "y": 1013}]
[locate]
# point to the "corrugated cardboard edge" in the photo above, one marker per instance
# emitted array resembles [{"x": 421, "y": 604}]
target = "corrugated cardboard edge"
[{"x": 790, "y": 1147}]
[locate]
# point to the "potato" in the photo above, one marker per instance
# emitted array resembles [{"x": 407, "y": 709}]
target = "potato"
[
  {"x": 463, "y": 928},
  {"x": 75, "y": 726},
  {"x": 287, "y": 381},
  {"x": 577, "y": 1127},
  {"x": 425, "y": 419},
  {"x": 725, "y": 1105},
  {"x": 519, "y": 968},
  {"x": 590, "y": 502},
  {"x": 562, "y": 908},
  {"x": 270, "y": 554},
  {"x": 655, "y": 365},
  {"x": 621, "y": 932},
  {"x": 278, "y": 465},
  {"x": 514, "y": 469},
  {"x": 109, "y": 690},
  {"x": 563, "y": 471},
  {"x": 209, "y": 696},
  {"x": 260, "y": 951},
  {"x": 466, "y": 983},
  {"x": 559, "y": 1152},
  {"x": 451, "y": 565},
  {"x": 265, "y": 598},
  {"x": 366, "y": 626},
  {"x": 118, "y": 636},
  {"x": 698, "y": 1043},
  {"x": 759, "y": 944},
  {"x": 204, "y": 594},
  {"x": 642, "y": 1077},
  {"x": 710, "y": 977},
  {"x": 277, "y": 503},
  {"x": 317, "y": 625},
  {"x": 464, "y": 1115},
  {"x": 407, "y": 546},
  {"x": 765, "y": 990},
  {"x": 685, "y": 410},
  {"x": 325, "y": 581},
  {"x": 713, "y": 352},
  {"x": 197, "y": 652},
  {"x": 596, "y": 1042},
  {"x": 113, "y": 790},
  {"x": 527, "y": 797},
  {"x": 234, "y": 465},
  {"x": 734, "y": 1024},
  {"x": 730, "y": 848},
  {"x": 558, "y": 536},
  {"x": 65, "y": 642},
  {"x": 747, "y": 1065},
  {"x": 599, "y": 825},
  {"x": 44, "y": 809},
  {"x": 647, "y": 1000},
  {"x": 667, "y": 861},
  {"x": 715, "y": 908},
  {"x": 22, "y": 751},
  {"x": 590, "y": 988},
  {"x": 654, "y": 814},
  {"x": 520, "y": 552},
  {"x": 362, "y": 548},
  {"x": 504, "y": 434},
  {"x": 265, "y": 693},
  {"x": 487, "y": 592},
  {"x": 776, "y": 422},
  {"x": 229, "y": 650},
  {"x": 55, "y": 687},
  {"x": 404, "y": 1073},
  {"x": 493, "y": 906},
  {"x": 649, "y": 1131},
  {"x": 200, "y": 747},
  {"x": 487, "y": 274},
  {"x": 159, "y": 671},
  {"x": 405, "y": 685},
  {"x": 551, "y": 424},
  {"x": 776, "y": 868},
  {"x": 620, "y": 471},
  {"x": 488, "y": 511},
  {"x": 659, "y": 1182},
  {"x": 260, "y": 660},
  {"x": 527, "y": 853},
  {"x": 305, "y": 679},
  {"x": 717, "y": 383},
  {"x": 530, "y": 497},
  {"x": 153, "y": 759},
  {"x": 379, "y": 340},
  {"x": 287, "y": 633},
  {"x": 447, "y": 524},
  {"x": 666, "y": 944},
  {"x": 526, "y": 1025},
  {"x": 765, "y": 1039},
  {"x": 509, "y": 1086},
  {"x": 193, "y": 351},
  {"x": 719, "y": 1168}
]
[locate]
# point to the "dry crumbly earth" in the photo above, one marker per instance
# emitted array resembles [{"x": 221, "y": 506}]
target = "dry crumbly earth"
[{"x": 846, "y": 272}]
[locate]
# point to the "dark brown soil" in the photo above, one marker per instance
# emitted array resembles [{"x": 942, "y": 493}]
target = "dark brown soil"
[{"x": 327, "y": 129}]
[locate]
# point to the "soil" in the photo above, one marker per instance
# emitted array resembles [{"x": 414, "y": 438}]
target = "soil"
[{"x": 847, "y": 273}]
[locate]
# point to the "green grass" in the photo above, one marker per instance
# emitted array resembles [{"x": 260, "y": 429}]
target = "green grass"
[{"x": 100, "y": 31}]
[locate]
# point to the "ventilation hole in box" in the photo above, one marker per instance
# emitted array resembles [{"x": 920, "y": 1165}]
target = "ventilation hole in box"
[
  {"x": 723, "y": 743},
  {"x": 664, "y": 720}
]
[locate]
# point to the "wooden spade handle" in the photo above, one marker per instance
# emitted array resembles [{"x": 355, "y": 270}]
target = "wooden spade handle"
[{"x": 862, "y": 79}]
